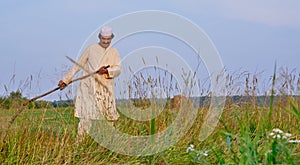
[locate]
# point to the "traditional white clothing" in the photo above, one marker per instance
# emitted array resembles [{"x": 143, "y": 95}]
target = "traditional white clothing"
[{"x": 95, "y": 96}]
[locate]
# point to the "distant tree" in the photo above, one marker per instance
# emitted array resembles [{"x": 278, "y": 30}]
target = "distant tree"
[
  {"x": 14, "y": 100},
  {"x": 15, "y": 95},
  {"x": 62, "y": 103},
  {"x": 42, "y": 104},
  {"x": 4, "y": 103},
  {"x": 142, "y": 103}
]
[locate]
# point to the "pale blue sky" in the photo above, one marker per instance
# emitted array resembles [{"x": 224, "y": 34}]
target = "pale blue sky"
[{"x": 37, "y": 35}]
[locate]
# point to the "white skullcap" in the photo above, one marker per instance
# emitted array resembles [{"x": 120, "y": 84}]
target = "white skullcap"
[{"x": 106, "y": 31}]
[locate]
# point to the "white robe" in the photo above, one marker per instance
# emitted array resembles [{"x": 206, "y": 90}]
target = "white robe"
[{"x": 95, "y": 97}]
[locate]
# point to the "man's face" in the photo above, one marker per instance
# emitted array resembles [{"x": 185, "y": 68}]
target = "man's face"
[{"x": 105, "y": 41}]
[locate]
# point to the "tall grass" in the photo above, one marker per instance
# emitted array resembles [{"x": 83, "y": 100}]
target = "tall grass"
[{"x": 248, "y": 131}]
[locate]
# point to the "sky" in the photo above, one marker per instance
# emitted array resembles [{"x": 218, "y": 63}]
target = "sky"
[{"x": 36, "y": 36}]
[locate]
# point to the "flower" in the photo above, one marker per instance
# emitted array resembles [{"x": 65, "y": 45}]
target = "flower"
[
  {"x": 294, "y": 141},
  {"x": 205, "y": 153},
  {"x": 190, "y": 148},
  {"x": 286, "y": 135},
  {"x": 279, "y": 134},
  {"x": 277, "y": 130}
]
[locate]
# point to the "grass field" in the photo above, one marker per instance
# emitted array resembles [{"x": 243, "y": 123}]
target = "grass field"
[
  {"x": 247, "y": 132},
  {"x": 244, "y": 136}
]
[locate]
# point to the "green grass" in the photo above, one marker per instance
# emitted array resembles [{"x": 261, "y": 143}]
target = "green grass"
[
  {"x": 48, "y": 136},
  {"x": 244, "y": 135}
]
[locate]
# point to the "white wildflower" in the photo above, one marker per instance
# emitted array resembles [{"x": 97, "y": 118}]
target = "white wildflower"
[
  {"x": 271, "y": 134},
  {"x": 294, "y": 141},
  {"x": 190, "y": 148},
  {"x": 279, "y": 134},
  {"x": 286, "y": 135},
  {"x": 277, "y": 130},
  {"x": 205, "y": 153}
]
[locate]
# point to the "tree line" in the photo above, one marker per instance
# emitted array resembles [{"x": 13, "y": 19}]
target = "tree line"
[{"x": 16, "y": 100}]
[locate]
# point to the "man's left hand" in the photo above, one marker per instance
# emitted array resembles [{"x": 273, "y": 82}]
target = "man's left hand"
[{"x": 103, "y": 70}]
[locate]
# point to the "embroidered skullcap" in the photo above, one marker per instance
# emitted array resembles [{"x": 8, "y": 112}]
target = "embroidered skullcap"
[{"x": 106, "y": 31}]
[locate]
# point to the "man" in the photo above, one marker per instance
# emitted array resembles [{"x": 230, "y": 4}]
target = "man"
[{"x": 95, "y": 98}]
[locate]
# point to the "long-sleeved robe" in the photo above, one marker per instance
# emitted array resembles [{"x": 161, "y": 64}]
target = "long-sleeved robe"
[{"x": 95, "y": 97}]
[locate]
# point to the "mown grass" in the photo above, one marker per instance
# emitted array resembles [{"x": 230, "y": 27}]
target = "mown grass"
[{"x": 48, "y": 136}]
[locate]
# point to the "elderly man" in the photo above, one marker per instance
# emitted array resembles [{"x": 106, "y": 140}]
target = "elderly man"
[{"x": 95, "y": 98}]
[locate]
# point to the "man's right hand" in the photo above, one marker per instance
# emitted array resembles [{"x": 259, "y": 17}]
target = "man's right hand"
[{"x": 62, "y": 85}]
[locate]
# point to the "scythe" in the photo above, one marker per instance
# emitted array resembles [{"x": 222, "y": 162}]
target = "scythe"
[{"x": 49, "y": 92}]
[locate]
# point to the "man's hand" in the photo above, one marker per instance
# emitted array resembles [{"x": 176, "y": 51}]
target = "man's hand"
[
  {"x": 103, "y": 70},
  {"x": 62, "y": 85}
]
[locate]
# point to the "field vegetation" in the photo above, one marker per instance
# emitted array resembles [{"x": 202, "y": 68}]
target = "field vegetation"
[{"x": 262, "y": 129}]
